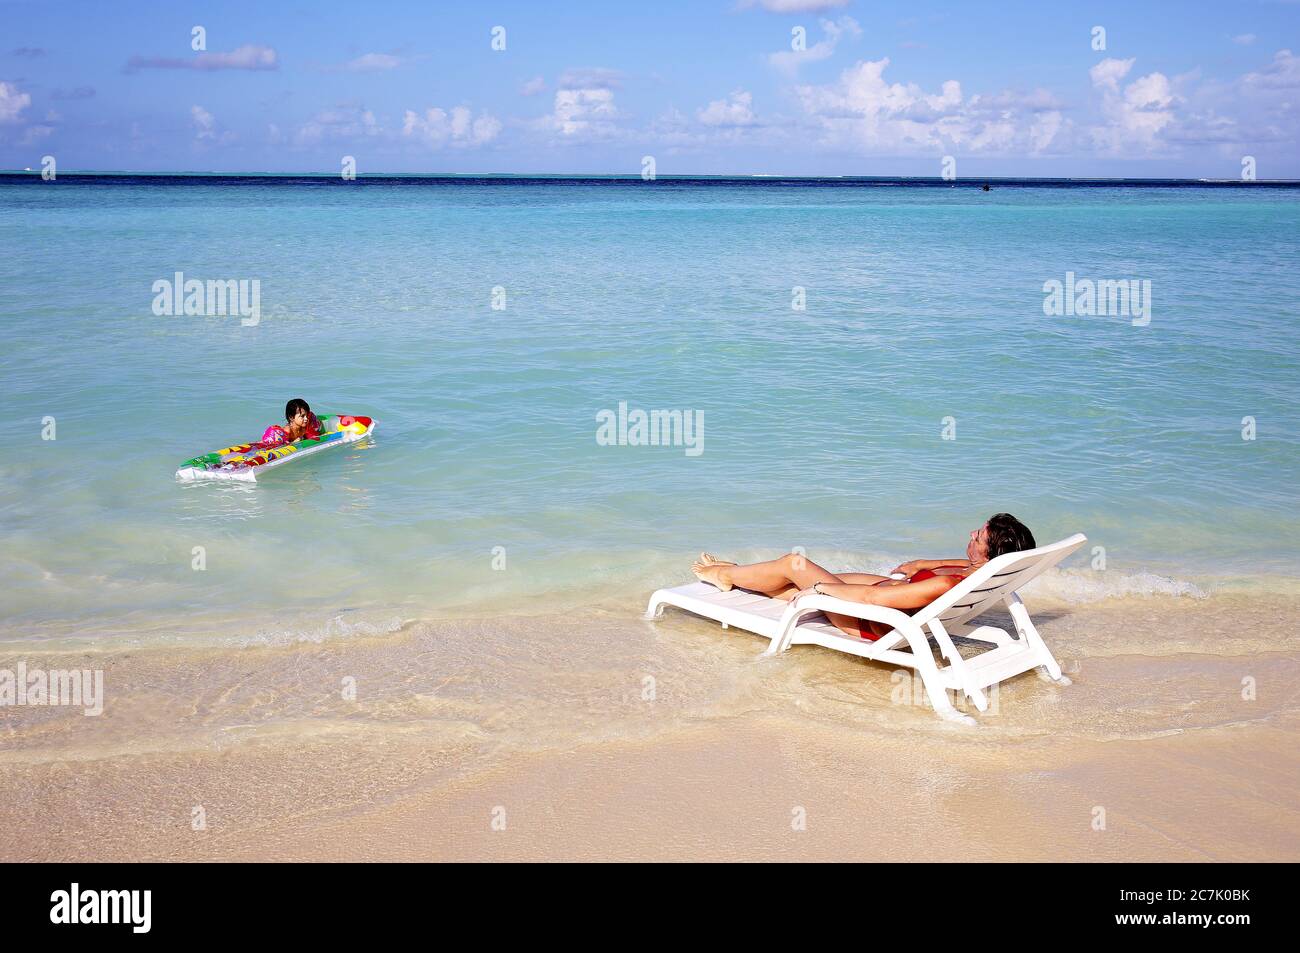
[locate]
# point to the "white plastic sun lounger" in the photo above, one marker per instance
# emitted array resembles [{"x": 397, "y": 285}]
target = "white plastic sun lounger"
[{"x": 995, "y": 582}]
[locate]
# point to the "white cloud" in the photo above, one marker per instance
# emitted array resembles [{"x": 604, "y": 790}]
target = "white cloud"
[
  {"x": 343, "y": 121},
  {"x": 864, "y": 112},
  {"x": 789, "y": 61},
  {"x": 1284, "y": 73},
  {"x": 533, "y": 86},
  {"x": 735, "y": 110},
  {"x": 1036, "y": 101},
  {"x": 249, "y": 57},
  {"x": 590, "y": 77},
  {"x": 1244, "y": 39},
  {"x": 433, "y": 128},
  {"x": 373, "y": 63},
  {"x": 1253, "y": 114},
  {"x": 796, "y": 6},
  {"x": 584, "y": 112},
  {"x": 12, "y": 102},
  {"x": 1159, "y": 115},
  {"x": 1043, "y": 129},
  {"x": 245, "y": 57},
  {"x": 1108, "y": 73},
  {"x": 1134, "y": 118},
  {"x": 34, "y": 134},
  {"x": 459, "y": 127},
  {"x": 863, "y": 93},
  {"x": 205, "y": 126},
  {"x": 583, "y": 108},
  {"x": 77, "y": 92},
  {"x": 673, "y": 132}
]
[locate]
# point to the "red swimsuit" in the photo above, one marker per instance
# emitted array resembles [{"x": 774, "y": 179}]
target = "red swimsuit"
[
  {"x": 923, "y": 574},
  {"x": 864, "y": 627}
]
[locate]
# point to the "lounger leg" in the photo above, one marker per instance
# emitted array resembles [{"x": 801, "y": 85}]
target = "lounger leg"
[
  {"x": 958, "y": 665},
  {"x": 930, "y": 678},
  {"x": 1050, "y": 668},
  {"x": 655, "y": 608},
  {"x": 785, "y": 636},
  {"x": 941, "y": 704}
]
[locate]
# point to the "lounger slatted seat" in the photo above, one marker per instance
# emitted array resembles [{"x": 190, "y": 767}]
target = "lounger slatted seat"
[{"x": 995, "y": 583}]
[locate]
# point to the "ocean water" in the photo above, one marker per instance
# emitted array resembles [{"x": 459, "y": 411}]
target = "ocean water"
[{"x": 486, "y": 491}]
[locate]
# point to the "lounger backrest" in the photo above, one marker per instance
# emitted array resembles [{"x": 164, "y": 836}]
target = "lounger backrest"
[{"x": 997, "y": 579}]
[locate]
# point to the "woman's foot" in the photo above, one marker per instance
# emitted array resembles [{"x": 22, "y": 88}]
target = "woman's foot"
[
  {"x": 708, "y": 559},
  {"x": 714, "y": 573}
]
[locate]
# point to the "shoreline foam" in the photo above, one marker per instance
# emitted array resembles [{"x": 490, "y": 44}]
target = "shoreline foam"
[{"x": 621, "y": 589}]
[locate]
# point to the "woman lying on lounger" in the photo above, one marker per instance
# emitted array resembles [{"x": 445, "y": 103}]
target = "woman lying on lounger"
[{"x": 793, "y": 575}]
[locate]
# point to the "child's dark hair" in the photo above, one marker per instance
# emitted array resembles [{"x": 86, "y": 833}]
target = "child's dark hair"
[{"x": 291, "y": 409}]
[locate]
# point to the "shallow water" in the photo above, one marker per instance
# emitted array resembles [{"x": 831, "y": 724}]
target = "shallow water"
[
  {"x": 822, "y": 428},
  {"x": 476, "y": 574},
  {"x": 607, "y": 736}
]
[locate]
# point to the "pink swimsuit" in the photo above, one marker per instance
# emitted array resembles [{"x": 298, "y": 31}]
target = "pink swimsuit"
[{"x": 276, "y": 435}]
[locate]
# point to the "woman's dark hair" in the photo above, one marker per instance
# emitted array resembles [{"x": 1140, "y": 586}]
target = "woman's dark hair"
[
  {"x": 291, "y": 409},
  {"x": 1008, "y": 535}
]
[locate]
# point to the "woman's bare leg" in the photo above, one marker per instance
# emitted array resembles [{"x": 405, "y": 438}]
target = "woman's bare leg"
[
  {"x": 852, "y": 578},
  {"x": 770, "y": 578},
  {"x": 782, "y": 578}
]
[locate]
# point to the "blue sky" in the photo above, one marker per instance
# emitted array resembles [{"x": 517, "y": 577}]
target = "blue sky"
[{"x": 708, "y": 86}]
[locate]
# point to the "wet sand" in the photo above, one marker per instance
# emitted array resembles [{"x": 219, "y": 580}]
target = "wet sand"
[{"x": 605, "y": 737}]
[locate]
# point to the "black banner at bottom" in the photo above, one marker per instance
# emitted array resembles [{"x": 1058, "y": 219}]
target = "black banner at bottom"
[{"x": 979, "y": 902}]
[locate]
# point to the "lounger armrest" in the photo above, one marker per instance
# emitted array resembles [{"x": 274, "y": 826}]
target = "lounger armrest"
[{"x": 858, "y": 610}]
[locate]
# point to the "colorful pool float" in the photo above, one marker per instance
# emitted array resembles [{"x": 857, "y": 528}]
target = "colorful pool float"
[{"x": 246, "y": 460}]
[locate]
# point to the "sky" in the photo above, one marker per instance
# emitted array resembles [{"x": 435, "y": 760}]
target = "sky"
[{"x": 781, "y": 87}]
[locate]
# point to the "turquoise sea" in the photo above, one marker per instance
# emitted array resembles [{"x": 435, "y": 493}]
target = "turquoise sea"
[{"x": 486, "y": 491}]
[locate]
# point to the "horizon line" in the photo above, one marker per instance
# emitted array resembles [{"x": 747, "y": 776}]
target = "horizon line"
[{"x": 1201, "y": 180}]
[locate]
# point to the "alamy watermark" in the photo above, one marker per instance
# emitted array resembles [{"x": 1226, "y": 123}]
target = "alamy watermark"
[
  {"x": 77, "y": 905},
  {"x": 1107, "y": 297},
  {"x": 211, "y": 298},
  {"x": 654, "y": 428},
  {"x": 71, "y": 688},
  {"x": 909, "y": 689}
]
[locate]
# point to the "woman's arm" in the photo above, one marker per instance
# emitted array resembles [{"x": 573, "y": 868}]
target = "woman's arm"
[
  {"x": 909, "y": 595},
  {"x": 916, "y": 565}
]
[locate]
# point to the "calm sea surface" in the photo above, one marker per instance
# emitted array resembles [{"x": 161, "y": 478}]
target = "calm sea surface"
[{"x": 486, "y": 490}]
